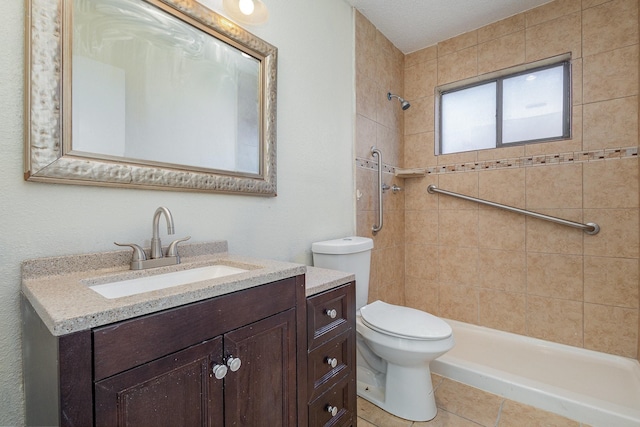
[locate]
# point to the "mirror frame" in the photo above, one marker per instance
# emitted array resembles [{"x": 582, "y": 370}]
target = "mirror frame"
[{"x": 47, "y": 24}]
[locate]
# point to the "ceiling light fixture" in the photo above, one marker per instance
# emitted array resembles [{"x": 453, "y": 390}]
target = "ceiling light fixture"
[{"x": 250, "y": 12}]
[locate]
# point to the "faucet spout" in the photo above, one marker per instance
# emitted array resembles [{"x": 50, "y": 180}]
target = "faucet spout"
[{"x": 156, "y": 245}]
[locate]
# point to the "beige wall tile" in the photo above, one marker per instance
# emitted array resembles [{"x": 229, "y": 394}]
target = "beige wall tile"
[
  {"x": 505, "y": 186},
  {"x": 421, "y": 227},
  {"x": 611, "y": 183},
  {"x": 503, "y": 311},
  {"x": 501, "y": 28},
  {"x": 458, "y": 303},
  {"x": 458, "y": 265},
  {"x": 421, "y": 294},
  {"x": 551, "y": 10},
  {"x": 611, "y": 281},
  {"x": 501, "y": 153},
  {"x": 555, "y": 275},
  {"x": 609, "y": 26},
  {"x": 454, "y": 397},
  {"x": 515, "y": 414},
  {"x": 426, "y": 54},
  {"x": 458, "y": 228},
  {"x": 457, "y": 43},
  {"x": 420, "y": 80},
  {"x": 390, "y": 275},
  {"x": 457, "y": 158},
  {"x": 555, "y": 320},
  {"x": 458, "y": 65},
  {"x": 502, "y": 52},
  {"x": 416, "y": 196},
  {"x": 422, "y": 262},
  {"x": 499, "y": 229},
  {"x": 366, "y": 182},
  {"x": 611, "y": 329},
  {"x": 556, "y": 37},
  {"x": 618, "y": 236},
  {"x": 611, "y": 74},
  {"x": 418, "y": 150},
  {"x": 548, "y": 237},
  {"x": 554, "y": 186},
  {"x": 502, "y": 270},
  {"x": 418, "y": 118},
  {"x": 576, "y": 80},
  {"x": 388, "y": 114},
  {"x": 388, "y": 140},
  {"x": 366, "y": 90},
  {"x": 463, "y": 183},
  {"x": 610, "y": 124},
  {"x": 365, "y": 47},
  {"x": 365, "y": 136}
]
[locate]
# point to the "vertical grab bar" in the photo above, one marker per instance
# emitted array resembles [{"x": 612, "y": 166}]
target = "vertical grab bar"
[{"x": 378, "y": 227}]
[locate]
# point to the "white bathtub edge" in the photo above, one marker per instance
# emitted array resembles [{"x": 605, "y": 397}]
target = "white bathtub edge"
[{"x": 530, "y": 392}]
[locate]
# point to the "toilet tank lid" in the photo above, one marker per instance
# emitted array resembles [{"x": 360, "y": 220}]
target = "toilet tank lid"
[{"x": 346, "y": 245}]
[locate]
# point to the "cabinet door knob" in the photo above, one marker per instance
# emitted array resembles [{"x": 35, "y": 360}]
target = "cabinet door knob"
[
  {"x": 234, "y": 363},
  {"x": 219, "y": 371},
  {"x": 332, "y": 410},
  {"x": 332, "y": 313},
  {"x": 332, "y": 361}
]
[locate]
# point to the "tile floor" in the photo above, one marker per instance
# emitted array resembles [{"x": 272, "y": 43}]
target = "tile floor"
[{"x": 460, "y": 405}]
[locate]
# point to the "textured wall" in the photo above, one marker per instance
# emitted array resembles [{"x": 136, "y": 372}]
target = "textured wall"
[{"x": 315, "y": 169}]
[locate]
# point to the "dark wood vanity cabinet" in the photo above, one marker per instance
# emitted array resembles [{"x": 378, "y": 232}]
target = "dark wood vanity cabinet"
[
  {"x": 158, "y": 369},
  {"x": 331, "y": 357}
]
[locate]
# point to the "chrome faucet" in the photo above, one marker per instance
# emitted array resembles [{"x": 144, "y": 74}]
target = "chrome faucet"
[{"x": 139, "y": 259}]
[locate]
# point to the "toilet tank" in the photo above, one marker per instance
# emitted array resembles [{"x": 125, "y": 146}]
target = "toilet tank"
[{"x": 351, "y": 255}]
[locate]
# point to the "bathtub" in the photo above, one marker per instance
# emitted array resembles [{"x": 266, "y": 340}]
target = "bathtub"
[{"x": 598, "y": 389}]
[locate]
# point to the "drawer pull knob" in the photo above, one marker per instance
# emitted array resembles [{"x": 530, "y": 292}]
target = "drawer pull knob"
[
  {"x": 332, "y": 410},
  {"x": 332, "y": 313},
  {"x": 332, "y": 361},
  {"x": 219, "y": 371},
  {"x": 234, "y": 363}
]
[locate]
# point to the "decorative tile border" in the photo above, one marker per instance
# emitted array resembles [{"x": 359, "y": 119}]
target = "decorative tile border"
[{"x": 516, "y": 162}]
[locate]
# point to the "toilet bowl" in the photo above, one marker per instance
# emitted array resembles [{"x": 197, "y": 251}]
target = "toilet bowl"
[{"x": 395, "y": 344}]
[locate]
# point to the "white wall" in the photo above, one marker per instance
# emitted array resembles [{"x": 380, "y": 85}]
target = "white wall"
[{"x": 315, "y": 173}]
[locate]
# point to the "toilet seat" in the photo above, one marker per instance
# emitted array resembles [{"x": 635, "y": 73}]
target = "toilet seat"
[{"x": 404, "y": 322}]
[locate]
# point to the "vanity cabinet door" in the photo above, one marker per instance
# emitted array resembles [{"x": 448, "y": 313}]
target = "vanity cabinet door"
[
  {"x": 262, "y": 392},
  {"x": 176, "y": 390}
]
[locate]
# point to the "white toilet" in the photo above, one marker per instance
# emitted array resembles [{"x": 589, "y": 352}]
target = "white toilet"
[{"x": 395, "y": 344}]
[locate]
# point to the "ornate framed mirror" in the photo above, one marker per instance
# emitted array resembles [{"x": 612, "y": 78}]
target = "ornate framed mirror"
[{"x": 157, "y": 94}]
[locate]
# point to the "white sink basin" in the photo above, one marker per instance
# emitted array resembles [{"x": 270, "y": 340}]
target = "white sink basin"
[{"x": 139, "y": 285}]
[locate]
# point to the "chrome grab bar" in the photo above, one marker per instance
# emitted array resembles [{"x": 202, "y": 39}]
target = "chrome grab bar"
[
  {"x": 589, "y": 228},
  {"x": 376, "y": 152}
]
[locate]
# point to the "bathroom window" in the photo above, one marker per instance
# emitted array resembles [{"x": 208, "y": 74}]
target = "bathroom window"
[{"x": 523, "y": 106}]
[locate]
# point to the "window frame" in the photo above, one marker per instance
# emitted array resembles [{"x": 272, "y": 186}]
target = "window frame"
[{"x": 498, "y": 78}]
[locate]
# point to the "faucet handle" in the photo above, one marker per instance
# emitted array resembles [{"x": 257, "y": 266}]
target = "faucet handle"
[
  {"x": 172, "y": 250},
  {"x": 138, "y": 252}
]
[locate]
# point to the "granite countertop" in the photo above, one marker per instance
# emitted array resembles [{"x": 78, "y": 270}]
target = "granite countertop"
[
  {"x": 58, "y": 287},
  {"x": 320, "y": 279}
]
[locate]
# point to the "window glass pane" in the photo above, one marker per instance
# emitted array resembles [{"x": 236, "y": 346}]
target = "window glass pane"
[
  {"x": 533, "y": 106},
  {"x": 469, "y": 119}
]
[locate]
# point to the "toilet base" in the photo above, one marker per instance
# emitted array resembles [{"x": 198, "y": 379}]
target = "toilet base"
[{"x": 404, "y": 392}]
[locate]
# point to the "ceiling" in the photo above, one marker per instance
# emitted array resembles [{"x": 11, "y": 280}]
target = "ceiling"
[{"x": 415, "y": 24}]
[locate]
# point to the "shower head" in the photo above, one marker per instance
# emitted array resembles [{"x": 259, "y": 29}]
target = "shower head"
[{"x": 404, "y": 104}]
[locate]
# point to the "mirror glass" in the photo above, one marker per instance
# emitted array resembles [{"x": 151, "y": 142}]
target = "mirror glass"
[{"x": 155, "y": 93}]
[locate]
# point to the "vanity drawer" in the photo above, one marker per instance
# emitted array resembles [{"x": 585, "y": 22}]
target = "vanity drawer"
[
  {"x": 342, "y": 398},
  {"x": 321, "y": 374},
  {"x": 329, "y": 314}
]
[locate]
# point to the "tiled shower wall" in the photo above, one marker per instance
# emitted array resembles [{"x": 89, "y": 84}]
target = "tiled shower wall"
[
  {"x": 499, "y": 269},
  {"x": 380, "y": 123}
]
